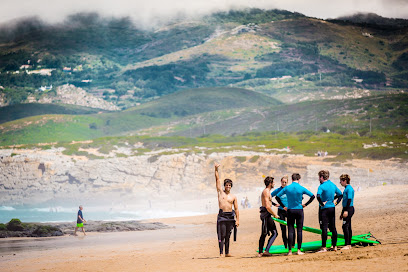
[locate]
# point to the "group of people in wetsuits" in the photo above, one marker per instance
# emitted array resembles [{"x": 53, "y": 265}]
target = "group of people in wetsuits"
[{"x": 290, "y": 208}]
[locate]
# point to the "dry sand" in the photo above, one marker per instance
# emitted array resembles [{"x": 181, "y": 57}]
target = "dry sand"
[{"x": 192, "y": 244}]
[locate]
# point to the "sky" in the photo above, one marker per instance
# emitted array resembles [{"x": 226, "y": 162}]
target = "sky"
[{"x": 143, "y": 11}]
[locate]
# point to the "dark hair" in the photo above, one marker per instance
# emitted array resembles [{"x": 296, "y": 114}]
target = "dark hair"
[
  {"x": 227, "y": 181},
  {"x": 295, "y": 176},
  {"x": 324, "y": 174},
  {"x": 345, "y": 177},
  {"x": 268, "y": 180}
]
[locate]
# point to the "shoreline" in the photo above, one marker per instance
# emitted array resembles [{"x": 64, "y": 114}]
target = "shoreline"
[{"x": 192, "y": 244}]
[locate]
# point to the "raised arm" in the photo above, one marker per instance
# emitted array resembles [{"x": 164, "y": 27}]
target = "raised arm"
[{"x": 217, "y": 178}]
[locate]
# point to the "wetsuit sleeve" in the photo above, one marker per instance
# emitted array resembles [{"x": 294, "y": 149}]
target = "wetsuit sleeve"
[
  {"x": 274, "y": 193},
  {"x": 281, "y": 192},
  {"x": 309, "y": 193},
  {"x": 280, "y": 201},
  {"x": 319, "y": 191},
  {"x": 348, "y": 203},
  {"x": 320, "y": 200},
  {"x": 339, "y": 198},
  {"x": 310, "y": 200}
]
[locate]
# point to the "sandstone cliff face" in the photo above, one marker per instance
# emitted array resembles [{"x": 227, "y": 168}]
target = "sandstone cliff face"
[{"x": 40, "y": 176}]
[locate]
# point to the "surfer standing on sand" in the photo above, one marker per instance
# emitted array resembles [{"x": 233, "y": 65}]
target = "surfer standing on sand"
[
  {"x": 226, "y": 215},
  {"x": 348, "y": 209},
  {"x": 281, "y": 212},
  {"x": 294, "y": 193},
  {"x": 326, "y": 194},
  {"x": 268, "y": 226}
]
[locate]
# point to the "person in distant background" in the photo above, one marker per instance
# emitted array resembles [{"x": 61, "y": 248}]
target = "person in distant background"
[
  {"x": 80, "y": 221},
  {"x": 348, "y": 209}
]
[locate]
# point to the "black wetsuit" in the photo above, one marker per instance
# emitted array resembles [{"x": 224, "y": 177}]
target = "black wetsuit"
[
  {"x": 348, "y": 233},
  {"x": 295, "y": 216},
  {"x": 327, "y": 193},
  {"x": 294, "y": 193},
  {"x": 225, "y": 224},
  {"x": 283, "y": 215},
  {"x": 268, "y": 228}
]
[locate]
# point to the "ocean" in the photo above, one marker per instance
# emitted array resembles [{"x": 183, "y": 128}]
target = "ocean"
[{"x": 96, "y": 213}]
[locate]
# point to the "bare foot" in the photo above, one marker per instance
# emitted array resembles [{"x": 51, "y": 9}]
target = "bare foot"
[
  {"x": 260, "y": 255},
  {"x": 322, "y": 250},
  {"x": 228, "y": 255},
  {"x": 221, "y": 255},
  {"x": 266, "y": 254},
  {"x": 300, "y": 252},
  {"x": 334, "y": 248},
  {"x": 346, "y": 248},
  {"x": 289, "y": 253}
]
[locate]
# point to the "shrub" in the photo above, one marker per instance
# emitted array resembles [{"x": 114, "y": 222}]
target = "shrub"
[{"x": 15, "y": 225}]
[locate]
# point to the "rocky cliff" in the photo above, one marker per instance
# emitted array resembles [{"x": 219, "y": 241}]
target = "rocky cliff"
[
  {"x": 69, "y": 94},
  {"x": 36, "y": 176}
]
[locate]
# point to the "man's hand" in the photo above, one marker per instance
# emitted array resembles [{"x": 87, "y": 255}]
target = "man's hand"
[
  {"x": 277, "y": 205},
  {"x": 286, "y": 208},
  {"x": 237, "y": 223},
  {"x": 216, "y": 165},
  {"x": 303, "y": 205},
  {"x": 345, "y": 214},
  {"x": 274, "y": 215}
]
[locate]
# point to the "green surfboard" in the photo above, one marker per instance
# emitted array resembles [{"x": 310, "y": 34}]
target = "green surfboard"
[{"x": 314, "y": 245}]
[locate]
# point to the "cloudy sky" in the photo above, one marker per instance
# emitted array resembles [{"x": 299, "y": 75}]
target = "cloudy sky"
[{"x": 144, "y": 11}]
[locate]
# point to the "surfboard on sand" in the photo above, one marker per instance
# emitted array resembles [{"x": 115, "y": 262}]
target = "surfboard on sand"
[{"x": 314, "y": 245}]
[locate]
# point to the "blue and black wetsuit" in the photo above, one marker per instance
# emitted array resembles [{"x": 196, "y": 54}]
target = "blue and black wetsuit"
[
  {"x": 348, "y": 205},
  {"x": 294, "y": 194},
  {"x": 268, "y": 228},
  {"x": 328, "y": 192},
  {"x": 282, "y": 215}
]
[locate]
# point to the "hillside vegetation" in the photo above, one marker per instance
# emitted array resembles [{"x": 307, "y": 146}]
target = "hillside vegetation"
[
  {"x": 280, "y": 77},
  {"x": 217, "y": 50}
]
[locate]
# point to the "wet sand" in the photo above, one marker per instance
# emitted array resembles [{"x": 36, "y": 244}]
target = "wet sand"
[{"x": 192, "y": 244}]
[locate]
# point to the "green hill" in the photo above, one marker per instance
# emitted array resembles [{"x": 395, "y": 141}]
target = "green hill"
[
  {"x": 229, "y": 115},
  {"x": 52, "y": 128},
  {"x": 195, "y": 101},
  {"x": 18, "y": 111}
]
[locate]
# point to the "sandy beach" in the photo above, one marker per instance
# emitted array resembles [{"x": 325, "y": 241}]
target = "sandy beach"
[{"x": 191, "y": 244}]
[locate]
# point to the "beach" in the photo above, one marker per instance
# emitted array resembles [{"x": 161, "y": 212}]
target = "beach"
[{"x": 190, "y": 244}]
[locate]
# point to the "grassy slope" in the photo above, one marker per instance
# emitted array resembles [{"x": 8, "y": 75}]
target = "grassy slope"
[
  {"x": 387, "y": 112},
  {"x": 51, "y": 128}
]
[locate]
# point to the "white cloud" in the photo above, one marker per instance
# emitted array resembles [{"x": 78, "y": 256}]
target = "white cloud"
[{"x": 142, "y": 10}]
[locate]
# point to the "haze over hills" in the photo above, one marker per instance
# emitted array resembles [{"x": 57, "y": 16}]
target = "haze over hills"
[{"x": 226, "y": 73}]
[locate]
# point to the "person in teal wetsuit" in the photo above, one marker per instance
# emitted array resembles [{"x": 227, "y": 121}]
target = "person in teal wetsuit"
[
  {"x": 281, "y": 212},
  {"x": 348, "y": 209},
  {"x": 326, "y": 195},
  {"x": 294, "y": 194}
]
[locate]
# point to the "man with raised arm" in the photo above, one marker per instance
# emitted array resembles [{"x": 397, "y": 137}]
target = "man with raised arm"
[
  {"x": 226, "y": 215},
  {"x": 268, "y": 226},
  {"x": 294, "y": 194}
]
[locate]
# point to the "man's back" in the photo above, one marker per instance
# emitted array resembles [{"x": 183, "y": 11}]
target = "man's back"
[
  {"x": 294, "y": 193},
  {"x": 327, "y": 190}
]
